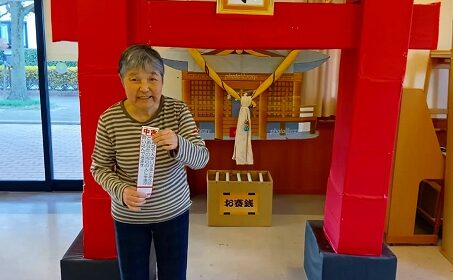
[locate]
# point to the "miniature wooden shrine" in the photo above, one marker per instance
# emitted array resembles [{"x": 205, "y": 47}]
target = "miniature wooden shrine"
[{"x": 281, "y": 103}]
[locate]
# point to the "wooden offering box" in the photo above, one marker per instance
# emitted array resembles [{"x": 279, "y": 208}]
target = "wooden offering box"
[{"x": 239, "y": 198}]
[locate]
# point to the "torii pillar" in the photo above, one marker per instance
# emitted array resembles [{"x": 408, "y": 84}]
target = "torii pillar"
[
  {"x": 374, "y": 36},
  {"x": 368, "y": 105}
]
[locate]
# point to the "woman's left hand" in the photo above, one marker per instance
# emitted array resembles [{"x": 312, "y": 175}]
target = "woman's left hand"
[{"x": 166, "y": 138}]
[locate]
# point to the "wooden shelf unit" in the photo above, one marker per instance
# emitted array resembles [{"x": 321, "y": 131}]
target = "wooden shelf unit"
[{"x": 421, "y": 173}]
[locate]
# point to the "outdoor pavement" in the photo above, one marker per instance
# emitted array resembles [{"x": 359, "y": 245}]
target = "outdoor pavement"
[{"x": 21, "y": 146}]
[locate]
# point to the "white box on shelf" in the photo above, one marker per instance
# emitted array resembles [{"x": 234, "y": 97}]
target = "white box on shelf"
[{"x": 304, "y": 127}]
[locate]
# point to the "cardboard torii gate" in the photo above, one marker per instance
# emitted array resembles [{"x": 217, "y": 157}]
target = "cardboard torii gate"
[{"x": 374, "y": 36}]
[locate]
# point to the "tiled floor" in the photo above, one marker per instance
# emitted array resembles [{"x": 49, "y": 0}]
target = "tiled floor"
[{"x": 37, "y": 228}]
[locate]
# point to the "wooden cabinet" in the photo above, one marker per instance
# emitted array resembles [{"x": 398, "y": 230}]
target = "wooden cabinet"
[{"x": 430, "y": 203}]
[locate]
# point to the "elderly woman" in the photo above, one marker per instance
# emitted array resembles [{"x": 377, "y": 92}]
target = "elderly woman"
[{"x": 163, "y": 216}]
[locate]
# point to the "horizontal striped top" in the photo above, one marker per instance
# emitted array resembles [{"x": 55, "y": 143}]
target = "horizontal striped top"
[{"x": 115, "y": 160}]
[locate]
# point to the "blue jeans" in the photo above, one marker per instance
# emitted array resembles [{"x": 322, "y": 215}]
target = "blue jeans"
[{"x": 133, "y": 243}]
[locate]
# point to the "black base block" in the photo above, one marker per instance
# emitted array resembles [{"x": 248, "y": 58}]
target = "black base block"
[
  {"x": 322, "y": 263},
  {"x": 75, "y": 267}
]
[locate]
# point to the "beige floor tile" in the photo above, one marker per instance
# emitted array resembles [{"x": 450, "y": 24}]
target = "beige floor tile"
[{"x": 37, "y": 228}]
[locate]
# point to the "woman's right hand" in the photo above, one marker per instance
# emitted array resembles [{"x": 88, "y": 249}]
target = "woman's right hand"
[{"x": 133, "y": 199}]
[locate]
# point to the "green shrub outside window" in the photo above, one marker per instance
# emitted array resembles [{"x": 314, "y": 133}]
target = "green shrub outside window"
[{"x": 56, "y": 81}]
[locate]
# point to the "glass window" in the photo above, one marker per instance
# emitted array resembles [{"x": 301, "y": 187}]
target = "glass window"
[
  {"x": 65, "y": 118},
  {"x": 40, "y": 140},
  {"x": 21, "y": 141}
]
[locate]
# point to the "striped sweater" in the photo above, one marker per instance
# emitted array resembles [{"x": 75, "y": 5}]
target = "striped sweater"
[{"x": 115, "y": 160}]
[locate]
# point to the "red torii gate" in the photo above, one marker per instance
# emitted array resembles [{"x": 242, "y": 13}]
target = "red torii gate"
[{"x": 374, "y": 36}]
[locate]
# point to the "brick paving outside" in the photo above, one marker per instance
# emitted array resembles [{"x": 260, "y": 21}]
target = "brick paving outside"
[
  {"x": 21, "y": 146},
  {"x": 21, "y": 152}
]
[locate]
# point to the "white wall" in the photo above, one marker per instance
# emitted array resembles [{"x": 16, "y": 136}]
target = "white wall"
[{"x": 172, "y": 83}]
